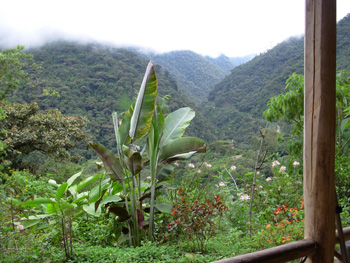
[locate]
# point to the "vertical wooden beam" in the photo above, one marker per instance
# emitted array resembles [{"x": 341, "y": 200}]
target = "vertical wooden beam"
[{"x": 319, "y": 126}]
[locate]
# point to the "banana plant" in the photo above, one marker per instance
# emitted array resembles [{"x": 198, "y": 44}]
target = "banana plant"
[{"x": 144, "y": 122}]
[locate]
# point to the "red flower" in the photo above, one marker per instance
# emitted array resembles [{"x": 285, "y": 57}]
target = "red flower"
[
  {"x": 173, "y": 213},
  {"x": 168, "y": 225}
]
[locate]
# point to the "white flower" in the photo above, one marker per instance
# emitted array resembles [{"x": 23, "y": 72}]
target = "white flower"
[
  {"x": 260, "y": 186},
  {"x": 233, "y": 168},
  {"x": 268, "y": 179},
  {"x": 283, "y": 169},
  {"x": 176, "y": 163},
  {"x": 119, "y": 122},
  {"x": 148, "y": 177},
  {"x": 143, "y": 205},
  {"x": 244, "y": 197},
  {"x": 295, "y": 163},
  {"x": 191, "y": 165},
  {"x": 275, "y": 163},
  {"x": 257, "y": 172},
  {"x": 199, "y": 171},
  {"x": 239, "y": 194},
  {"x": 221, "y": 184},
  {"x": 20, "y": 227},
  {"x": 53, "y": 199}
]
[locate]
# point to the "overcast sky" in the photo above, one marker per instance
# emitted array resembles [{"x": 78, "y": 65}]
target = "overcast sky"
[{"x": 230, "y": 27}]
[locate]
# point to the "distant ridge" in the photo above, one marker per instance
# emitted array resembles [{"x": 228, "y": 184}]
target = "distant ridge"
[{"x": 242, "y": 96}]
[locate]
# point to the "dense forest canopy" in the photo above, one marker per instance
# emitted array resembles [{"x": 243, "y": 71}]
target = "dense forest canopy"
[{"x": 93, "y": 81}]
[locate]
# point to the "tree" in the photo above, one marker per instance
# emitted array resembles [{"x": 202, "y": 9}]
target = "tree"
[
  {"x": 290, "y": 107},
  {"x": 12, "y": 74},
  {"x": 28, "y": 130}
]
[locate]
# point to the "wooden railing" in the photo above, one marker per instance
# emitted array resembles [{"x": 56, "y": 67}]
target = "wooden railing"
[{"x": 284, "y": 253}]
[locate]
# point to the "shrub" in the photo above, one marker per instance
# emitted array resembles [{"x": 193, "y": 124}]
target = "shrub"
[{"x": 195, "y": 219}]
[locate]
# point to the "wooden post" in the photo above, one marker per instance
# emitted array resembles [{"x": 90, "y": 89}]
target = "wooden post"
[{"x": 319, "y": 127}]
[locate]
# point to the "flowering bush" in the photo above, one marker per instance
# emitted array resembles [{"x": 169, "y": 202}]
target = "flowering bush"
[
  {"x": 196, "y": 220},
  {"x": 286, "y": 224}
]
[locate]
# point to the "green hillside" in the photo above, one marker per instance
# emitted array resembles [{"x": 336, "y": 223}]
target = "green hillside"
[
  {"x": 240, "y": 99},
  {"x": 93, "y": 81},
  {"x": 196, "y": 75}
]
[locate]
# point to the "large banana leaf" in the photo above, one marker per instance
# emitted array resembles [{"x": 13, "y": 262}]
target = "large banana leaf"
[
  {"x": 144, "y": 107},
  {"x": 122, "y": 132},
  {"x": 110, "y": 162},
  {"x": 180, "y": 146},
  {"x": 176, "y": 123}
]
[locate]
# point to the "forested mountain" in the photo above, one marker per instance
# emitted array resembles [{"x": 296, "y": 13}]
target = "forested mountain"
[
  {"x": 227, "y": 63},
  {"x": 196, "y": 76},
  {"x": 240, "y": 99},
  {"x": 93, "y": 81}
]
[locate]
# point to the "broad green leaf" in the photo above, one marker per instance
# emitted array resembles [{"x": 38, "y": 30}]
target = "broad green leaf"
[
  {"x": 90, "y": 209},
  {"x": 88, "y": 180},
  {"x": 176, "y": 123},
  {"x": 123, "y": 238},
  {"x": 110, "y": 199},
  {"x": 38, "y": 201},
  {"x": 41, "y": 225},
  {"x": 73, "y": 190},
  {"x": 61, "y": 190},
  {"x": 116, "y": 188},
  {"x": 72, "y": 178},
  {"x": 144, "y": 107},
  {"x": 81, "y": 197},
  {"x": 123, "y": 129},
  {"x": 110, "y": 162},
  {"x": 36, "y": 217},
  {"x": 52, "y": 208},
  {"x": 181, "y": 146},
  {"x": 164, "y": 208},
  {"x": 30, "y": 223},
  {"x": 97, "y": 191},
  {"x": 159, "y": 119},
  {"x": 152, "y": 141}
]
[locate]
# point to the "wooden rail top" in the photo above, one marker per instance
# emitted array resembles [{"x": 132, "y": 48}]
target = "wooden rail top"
[{"x": 283, "y": 253}]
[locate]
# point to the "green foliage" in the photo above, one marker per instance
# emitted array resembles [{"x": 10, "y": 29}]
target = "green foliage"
[
  {"x": 29, "y": 130},
  {"x": 12, "y": 75},
  {"x": 240, "y": 98},
  {"x": 164, "y": 145},
  {"x": 93, "y": 81},
  {"x": 290, "y": 105},
  {"x": 195, "y": 75}
]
